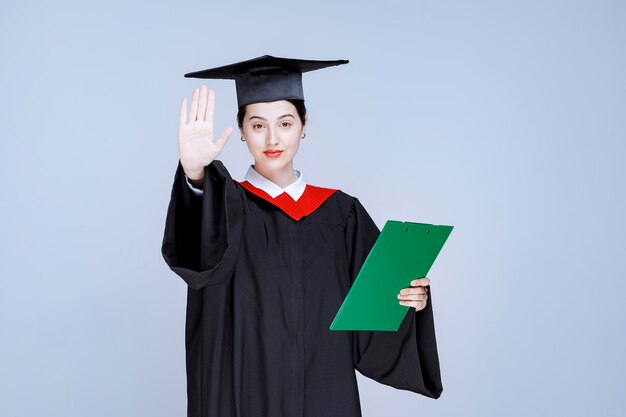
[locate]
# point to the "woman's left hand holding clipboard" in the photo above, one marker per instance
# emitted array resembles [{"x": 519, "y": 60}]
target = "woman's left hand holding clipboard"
[{"x": 415, "y": 296}]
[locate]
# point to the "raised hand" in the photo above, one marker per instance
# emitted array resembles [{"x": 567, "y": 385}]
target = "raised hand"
[{"x": 196, "y": 145}]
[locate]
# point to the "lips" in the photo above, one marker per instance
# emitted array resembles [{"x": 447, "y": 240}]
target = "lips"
[{"x": 273, "y": 154}]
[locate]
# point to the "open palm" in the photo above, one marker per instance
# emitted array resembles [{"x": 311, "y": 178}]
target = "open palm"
[{"x": 196, "y": 144}]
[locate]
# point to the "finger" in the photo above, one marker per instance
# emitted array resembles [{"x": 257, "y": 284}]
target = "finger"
[
  {"x": 193, "y": 111},
  {"x": 420, "y": 281},
  {"x": 420, "y": 307},
  {"x": 224, "y": 137},
  {"x": 413, "y": 290},
  {"x": 415, "y": 304},
  {"x": 210, "y": 108},
  {"x": 415, "y": 297},
  {"x": 412, "y": 293},
  {"x": 202, "y": 104},
  {"x": 182, "y": 117}
]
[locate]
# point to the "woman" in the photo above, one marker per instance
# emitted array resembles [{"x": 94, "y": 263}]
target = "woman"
[{"x": 269, "y": 260}]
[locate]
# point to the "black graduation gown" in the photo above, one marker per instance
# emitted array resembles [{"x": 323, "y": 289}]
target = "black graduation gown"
[{"x": 263, "y": 289}]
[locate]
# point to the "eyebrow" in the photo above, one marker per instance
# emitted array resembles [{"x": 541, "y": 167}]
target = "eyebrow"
[{"x": 259, "y": 117}]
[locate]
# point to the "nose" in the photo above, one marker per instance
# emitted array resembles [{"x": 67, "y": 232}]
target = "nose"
[{"x": 272, "y": 137}]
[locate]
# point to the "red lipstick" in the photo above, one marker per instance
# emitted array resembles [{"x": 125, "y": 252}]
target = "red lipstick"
[{"x": 273, "y": 153}]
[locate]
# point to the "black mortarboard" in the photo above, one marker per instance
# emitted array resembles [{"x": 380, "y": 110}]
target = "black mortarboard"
[{"x": 266, "y": 78}]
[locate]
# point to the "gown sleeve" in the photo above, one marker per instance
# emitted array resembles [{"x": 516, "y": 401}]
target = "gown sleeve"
[
  {"x": 406, "y": 359},
  {"x": 203, "y": 233}
]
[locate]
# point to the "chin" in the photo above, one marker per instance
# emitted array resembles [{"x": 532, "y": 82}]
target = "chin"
[{"x": 272, "y": 164}]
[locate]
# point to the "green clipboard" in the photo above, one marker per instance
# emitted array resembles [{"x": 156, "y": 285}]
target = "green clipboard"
[{"x": 403, "y": 252}]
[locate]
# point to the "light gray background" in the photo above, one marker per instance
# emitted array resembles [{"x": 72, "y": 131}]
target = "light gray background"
[{"x": 503, "y": 118}]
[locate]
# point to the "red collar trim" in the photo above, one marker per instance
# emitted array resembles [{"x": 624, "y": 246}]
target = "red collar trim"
[{"x": 312, "y": 198}]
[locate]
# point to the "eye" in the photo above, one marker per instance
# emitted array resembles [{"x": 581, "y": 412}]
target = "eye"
[
  {"x": 257, "y": 126},
  {"x": 285, "y": 124}
]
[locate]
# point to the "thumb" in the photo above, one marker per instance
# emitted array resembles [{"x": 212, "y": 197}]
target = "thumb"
[{"x": 221, "y": 141}]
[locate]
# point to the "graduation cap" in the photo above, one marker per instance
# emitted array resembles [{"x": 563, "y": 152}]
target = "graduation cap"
[{"x": 266, "y": 78}]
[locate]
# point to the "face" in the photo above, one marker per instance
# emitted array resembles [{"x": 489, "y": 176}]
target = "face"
[{"x": 272, "y": 131}]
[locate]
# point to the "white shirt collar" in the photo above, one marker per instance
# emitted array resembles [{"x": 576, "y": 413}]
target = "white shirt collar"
[{"x": 295, "y": 189}]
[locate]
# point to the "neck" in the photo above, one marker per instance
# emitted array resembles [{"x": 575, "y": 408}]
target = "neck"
[{"x": 281, "y": 177}]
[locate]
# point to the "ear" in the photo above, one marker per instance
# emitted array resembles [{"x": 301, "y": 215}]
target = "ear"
[{"x": 306, "y": 119}]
